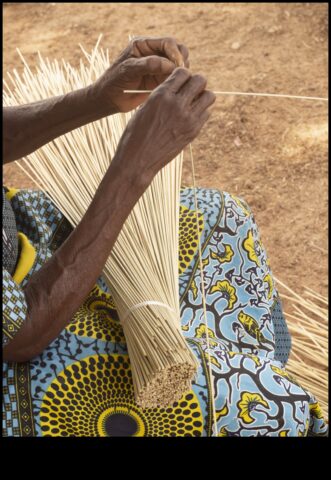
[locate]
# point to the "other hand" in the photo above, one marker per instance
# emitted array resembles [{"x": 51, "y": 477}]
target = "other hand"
[
  {"x": 143, "y": 65},
  {"x": 169, "y": 120}
]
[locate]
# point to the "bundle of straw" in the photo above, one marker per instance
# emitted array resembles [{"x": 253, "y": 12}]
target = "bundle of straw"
[
  {"x": 308, "y": 325},
  {"x": 142, "y": 270}
]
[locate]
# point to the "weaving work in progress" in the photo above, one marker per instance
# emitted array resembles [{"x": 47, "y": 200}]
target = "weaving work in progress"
[
  {"x": 184, "y": 333},
  {"x": 146, "y": 290}
]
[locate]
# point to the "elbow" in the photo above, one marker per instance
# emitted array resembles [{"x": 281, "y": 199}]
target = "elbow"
[
  {"x": 20, "y": 355},
  {"x": 28, "y": 343}
]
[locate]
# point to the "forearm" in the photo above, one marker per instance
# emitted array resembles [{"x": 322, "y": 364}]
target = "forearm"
[
  {"x": 28, "y": 127},
  {"x": 58, "y": 289}
]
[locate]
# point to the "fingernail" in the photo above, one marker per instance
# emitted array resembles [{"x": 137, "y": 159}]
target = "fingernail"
[{"x": 180, "y": 63}]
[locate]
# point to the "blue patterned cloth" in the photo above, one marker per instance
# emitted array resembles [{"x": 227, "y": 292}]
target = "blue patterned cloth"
[{"x": 81, "y": 384}]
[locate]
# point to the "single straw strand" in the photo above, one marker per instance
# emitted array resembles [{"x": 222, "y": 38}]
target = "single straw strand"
[
  {"x": 203, "y": 291},
  {"x": 252, "y": 94}
]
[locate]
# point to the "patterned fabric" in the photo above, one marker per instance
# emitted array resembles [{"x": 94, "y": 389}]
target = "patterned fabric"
[
  {"x": 81, "y": 384},
  {"x": 9, "y": 236},
  {"x": 282, "y": 336},
  {"x": 14, "y": 307},
  {"x": 41, "y": 222}
]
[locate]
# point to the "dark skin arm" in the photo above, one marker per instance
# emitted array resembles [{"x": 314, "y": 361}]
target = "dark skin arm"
[
  {"x": 170, "y": 119},
  {"x": 28, "y": 127},
  {"x": 143, "y": 65},
  {"x": 55, "y": 292}
]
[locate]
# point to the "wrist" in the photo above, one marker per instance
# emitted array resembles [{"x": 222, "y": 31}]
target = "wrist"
[
  {"x": 128, "y": 165},
  {"x": 101, "y": 100},
  {"x": 131, "y": 183}
]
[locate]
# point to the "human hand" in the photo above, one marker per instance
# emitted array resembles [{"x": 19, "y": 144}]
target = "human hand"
[
  {"x": 169, "y": 120},
  {"x": 143, "y": 65}
]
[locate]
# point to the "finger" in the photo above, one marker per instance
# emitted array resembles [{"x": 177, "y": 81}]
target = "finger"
[
  {"x": 177, "y": 79},
  {"x": 171, "y": 49},
  {"x": 152, "y": 65},
  {"x": 164, "y": 46},
  {"x": 185, "y": 54},
  {"x": 203, "y": 119},
  {"x": 193, "y": 88},
  {"x": 153, "y": 81},
  {"x": 203, "y": 101}
]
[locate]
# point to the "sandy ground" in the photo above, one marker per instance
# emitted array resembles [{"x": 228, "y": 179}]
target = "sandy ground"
[{"x": 272, "y": 152}]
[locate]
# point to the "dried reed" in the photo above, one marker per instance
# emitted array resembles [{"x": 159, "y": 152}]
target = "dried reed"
[{"x": 308, "y": 325}]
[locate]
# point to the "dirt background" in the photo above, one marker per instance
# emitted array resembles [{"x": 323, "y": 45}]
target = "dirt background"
[{"x": 271, "y": 152}]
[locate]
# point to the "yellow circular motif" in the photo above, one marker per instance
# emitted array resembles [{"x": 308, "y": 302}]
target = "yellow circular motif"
[
  {"x": 94, "y": 397},
  {"x": 134, "y": 425},
  {"x": 97, "y": 318}
]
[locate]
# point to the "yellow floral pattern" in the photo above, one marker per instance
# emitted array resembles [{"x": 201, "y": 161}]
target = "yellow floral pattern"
[
  {"x": 223, "y": 432},
  {"x": 241, "y": 204},
  {"x": 212, "y": 360},
  {"x": 227, "y": 290},
  {"x": 249, "y": 246},
  {"x": 315, "y": 410},
  {"x": 222, "y": 413},
  {"x": 194, "y": 289},
  {"x": 200, "y": 332},
  {"x": 268, "y": 279},
  {"x": 226, "y": 256},
  {"x": 248, "y": 403},
  {"x": 284, "y": 374},
  {"x": 255, "y": 358}
]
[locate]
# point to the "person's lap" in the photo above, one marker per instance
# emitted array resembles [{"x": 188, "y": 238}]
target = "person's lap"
[{"x": 81, "y": 385}]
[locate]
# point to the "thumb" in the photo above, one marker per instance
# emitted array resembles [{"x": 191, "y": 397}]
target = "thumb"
[{"x": 152, "y": 65}]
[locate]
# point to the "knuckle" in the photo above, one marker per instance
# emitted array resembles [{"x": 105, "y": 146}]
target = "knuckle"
[
  {"x": 199, "y": 78},
  {"x": 123, "y": 67},
  {"x": 183, "y": 48},
  {"x": 161, "y": 94},
  {"x": 160, "y": 90},
  {"x": 126, "y": 65},
  {"x": 167, "y": 98},
  {"x": 170, "y": 40},
  {"x": 186, "y": 117},
  {"x": 182, "y": 72},
  {"x": 134, "y": 43},
  {"x": 151, "y": 62},
  {"x": 211, "y": 96},
  {"x": 156, "y": 95},
  {"x": 164, "y": 90}
]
